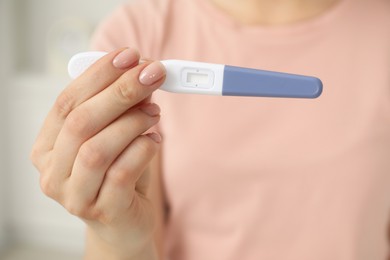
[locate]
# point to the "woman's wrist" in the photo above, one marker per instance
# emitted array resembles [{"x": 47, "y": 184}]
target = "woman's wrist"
[{"x": 97, "y": 249}]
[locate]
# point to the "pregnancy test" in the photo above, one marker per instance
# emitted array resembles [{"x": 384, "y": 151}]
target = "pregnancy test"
[{"x": 217, "y": 79}]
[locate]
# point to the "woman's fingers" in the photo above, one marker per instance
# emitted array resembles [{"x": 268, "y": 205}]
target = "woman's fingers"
[
  {"x": 98, "y": 153},
  {"x": 91, "y": 150},
  {"x": 99, "y": 111},
  {"x": 96, "y": 78},
  {"x": 118, "y": 190}
]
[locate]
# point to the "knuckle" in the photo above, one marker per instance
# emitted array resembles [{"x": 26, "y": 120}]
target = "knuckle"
[
  {"x": 35, "y": 156},
  {"x": 120, "y": 176},
  {"x": 125, "y": 92},
  {"x": 92, "y": 156},
  {"x": 145, "y": 146},
  {"x": 106, "y": 218},
  {"x": 40, "y": 159},
  {"x": 95, "y": 213},
  {"x": 76, "y": 209},
  {"x": 48, "y": 187},
  {"x": 64, "y": 104},
  {"x": 108, "y": 215},
  {"x": 79, "y": 124}
]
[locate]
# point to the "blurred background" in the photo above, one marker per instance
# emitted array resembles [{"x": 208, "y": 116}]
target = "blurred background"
[{"x": 37, "y": 38}]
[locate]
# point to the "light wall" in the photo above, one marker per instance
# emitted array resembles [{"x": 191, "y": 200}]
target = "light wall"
[
  {"x": 40, "y": 35},
  {"x": 6, "y": 10},
  {"x": 42, "y": 22}
]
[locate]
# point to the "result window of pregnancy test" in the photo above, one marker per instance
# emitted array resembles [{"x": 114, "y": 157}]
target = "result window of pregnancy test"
[{"x": 197, "y": 78}]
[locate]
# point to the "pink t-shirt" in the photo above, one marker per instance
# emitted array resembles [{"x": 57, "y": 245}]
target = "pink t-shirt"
[{"x": 268, "y": 178}]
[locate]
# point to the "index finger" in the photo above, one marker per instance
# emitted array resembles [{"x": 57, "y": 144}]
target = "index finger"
[{"x": 95, "y": 79}]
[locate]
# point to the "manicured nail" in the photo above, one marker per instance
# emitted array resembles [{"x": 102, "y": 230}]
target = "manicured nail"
[
  {"x": 155, "y": 137},
  {"x": 125, "y": 58},
  {"x": 150, "y": 109},
  {"x": 152, "y": 73}
]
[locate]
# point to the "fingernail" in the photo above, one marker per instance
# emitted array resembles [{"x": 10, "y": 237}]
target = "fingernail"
[
  {"x": 150, "y": 109},
  {"x": 155, "y": 137},
  {"x": 152, "y": 73},
  {"x": 125, "y": 58}
]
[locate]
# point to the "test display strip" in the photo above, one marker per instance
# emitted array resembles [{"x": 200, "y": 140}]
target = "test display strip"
[{"x": 218, "y": 79}]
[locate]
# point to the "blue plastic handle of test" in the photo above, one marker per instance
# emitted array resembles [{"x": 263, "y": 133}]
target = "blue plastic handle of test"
[{"x": 239, "y": 81}]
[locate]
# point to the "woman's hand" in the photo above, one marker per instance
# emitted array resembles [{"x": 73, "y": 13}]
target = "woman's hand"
[{"x": 92, "y": 153}]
